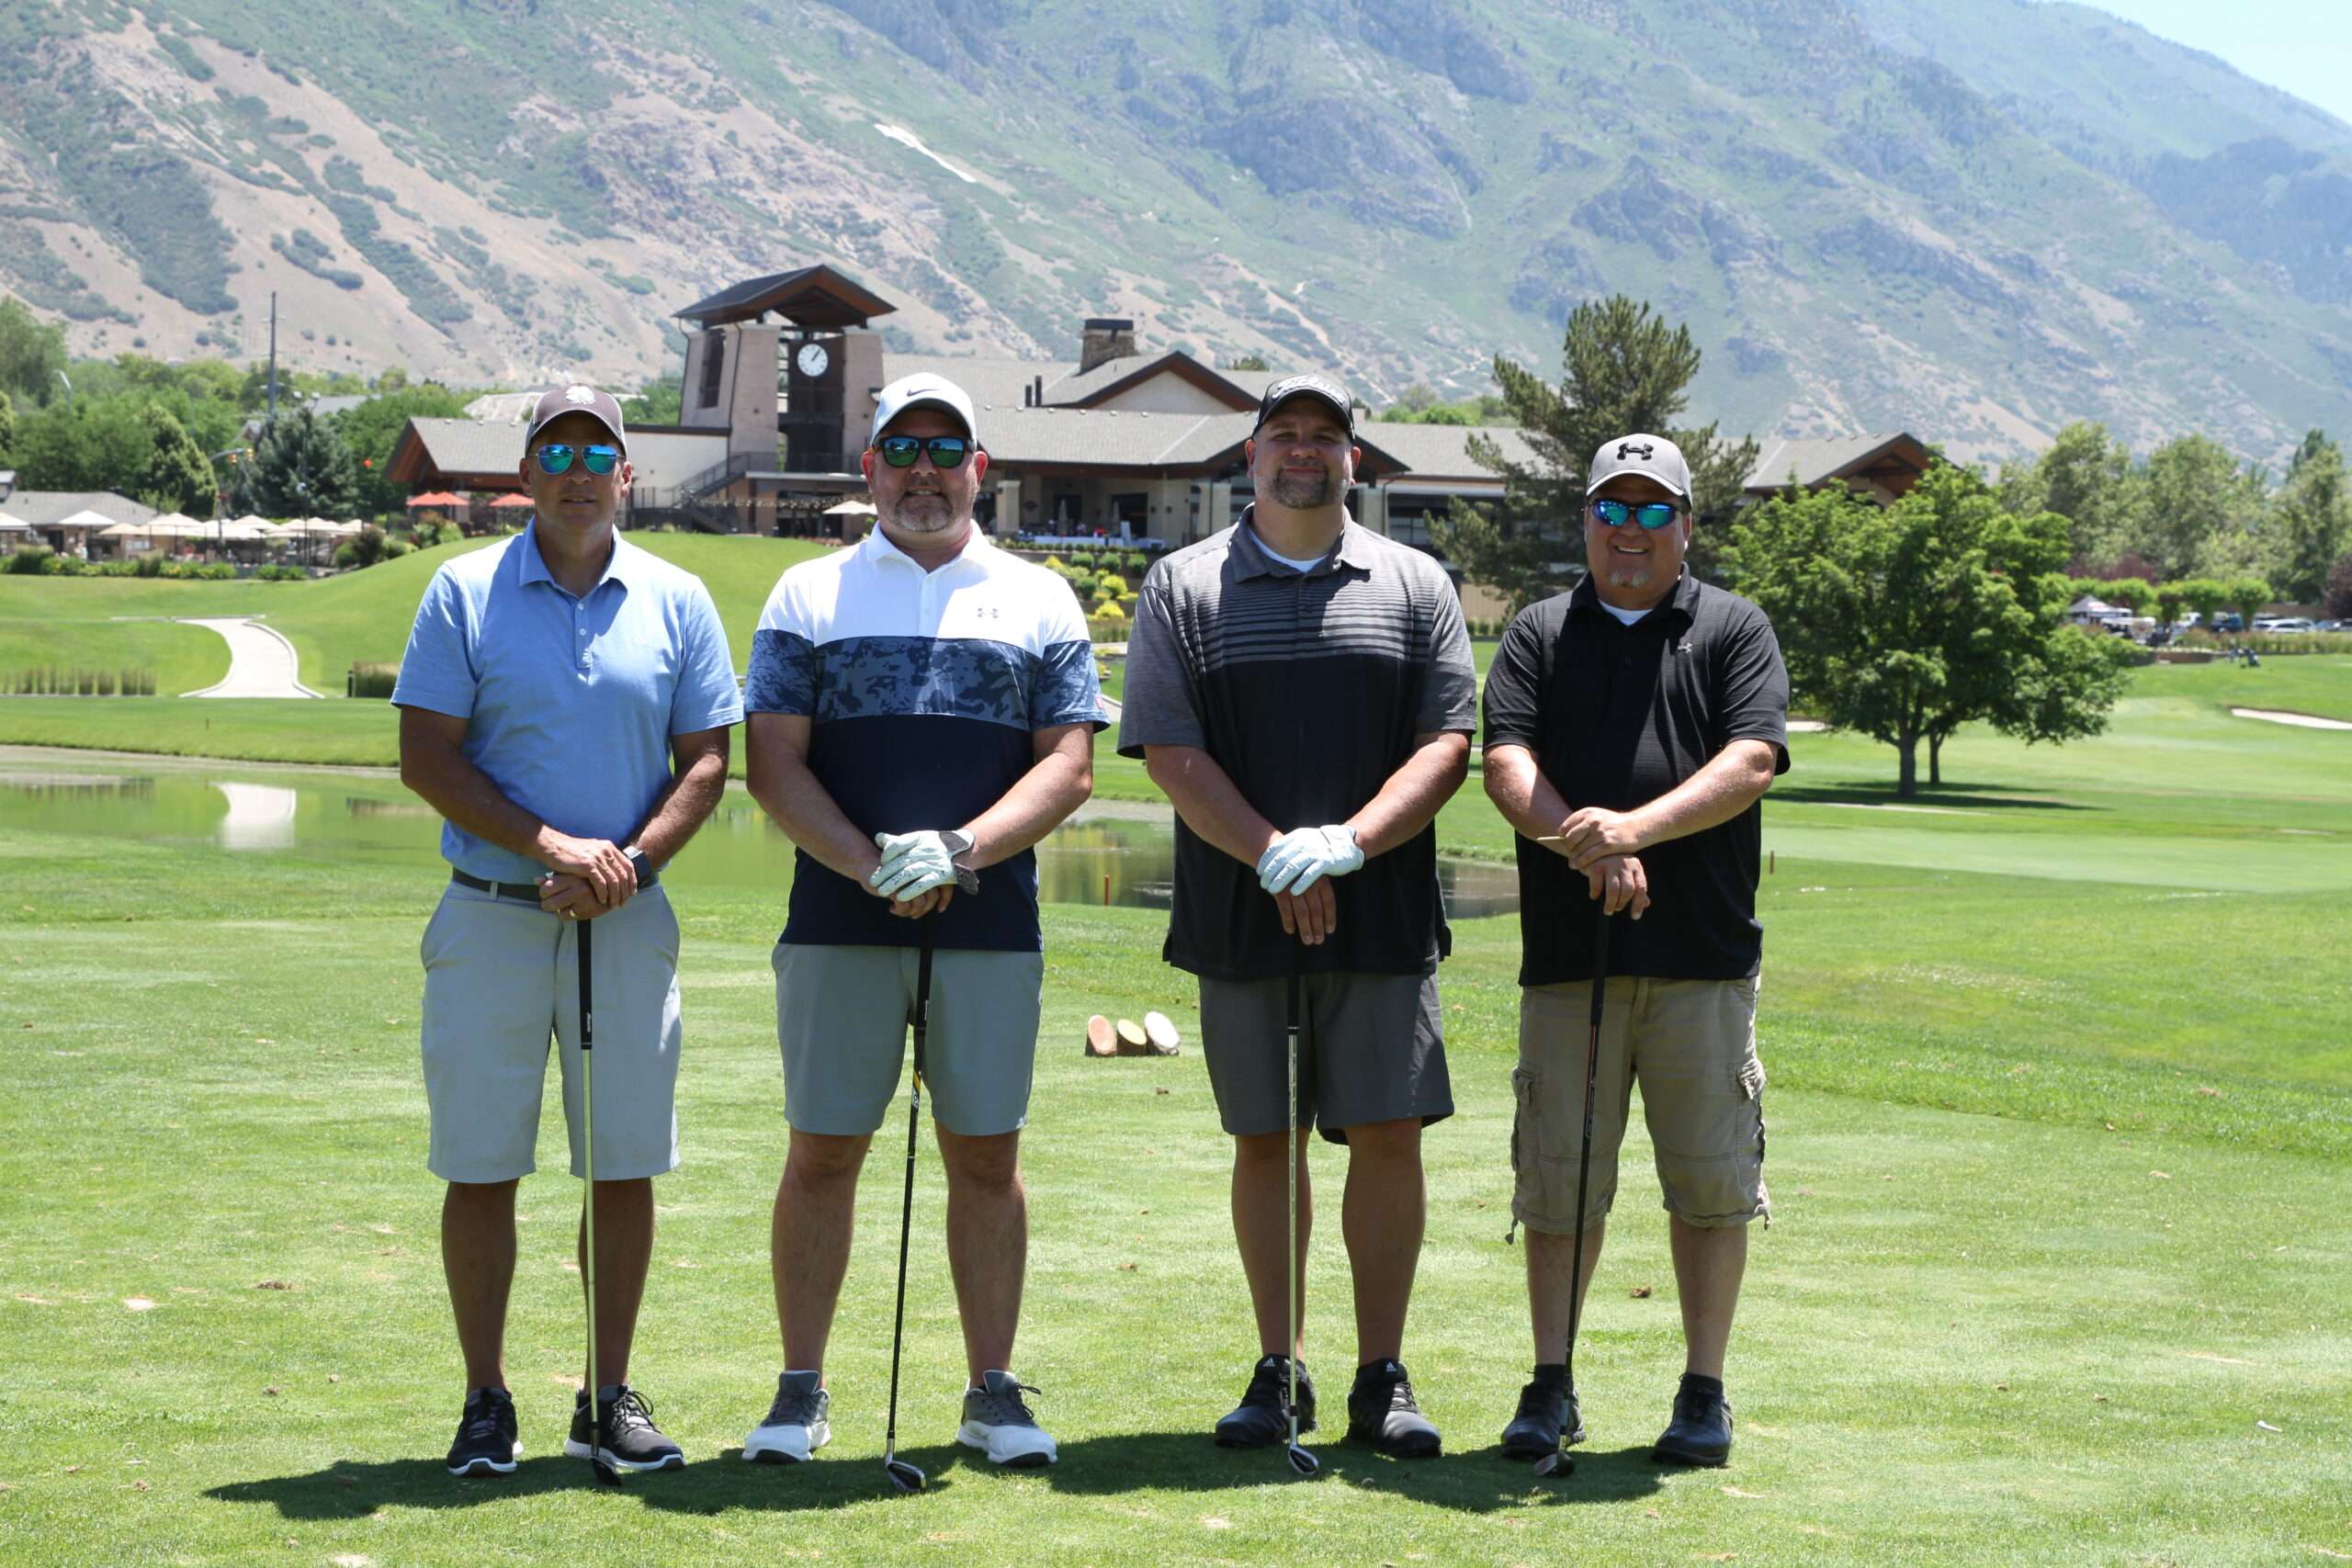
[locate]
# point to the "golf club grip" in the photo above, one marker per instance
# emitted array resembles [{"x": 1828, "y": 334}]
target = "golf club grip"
[{"x": 587, "y": 987}]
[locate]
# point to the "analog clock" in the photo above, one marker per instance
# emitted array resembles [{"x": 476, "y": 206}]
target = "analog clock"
[{"x": 813, "y": 359}]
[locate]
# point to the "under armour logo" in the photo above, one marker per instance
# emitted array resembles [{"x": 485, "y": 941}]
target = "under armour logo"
[
  {"x": 1643, "y": 448},
  {"x": 588, "y": 395}
]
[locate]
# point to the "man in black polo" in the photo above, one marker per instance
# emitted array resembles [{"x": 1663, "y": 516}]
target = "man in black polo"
[
  {"x": 1633, "y": 726},
  {"x": 1303, "y": 690}
]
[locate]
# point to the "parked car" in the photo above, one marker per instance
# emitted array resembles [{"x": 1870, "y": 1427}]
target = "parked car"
[
  {"x": 2293, "y": 624},
  {"x": 2232, "y": 622}
]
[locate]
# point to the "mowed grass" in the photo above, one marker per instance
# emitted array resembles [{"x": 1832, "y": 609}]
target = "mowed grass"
[
  {"x": 358, "y": 616},
  {"x": 1967, "y": 1339},
  {"x": 182, "y": 658}
]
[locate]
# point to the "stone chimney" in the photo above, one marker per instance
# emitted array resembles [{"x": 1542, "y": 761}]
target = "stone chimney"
[{"x": 1105, "y": 338}]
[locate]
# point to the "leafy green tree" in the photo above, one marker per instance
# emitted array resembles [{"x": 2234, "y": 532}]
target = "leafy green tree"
[
  {"x": 371, "y": 430},
  {"x": 302, "y": 468},
  {"x": 1246, "y": 362},
  {"x": 2088, "y": 479},
  {"x": 2196, "y": 493},
  {"x": 659, "y": 402},
  {"x": 88, "y": 444},
  {"x": 2247, "y": 596},
  {"x": 1906, "y": 622},
  {"x": 177, "y": 477},
  {"x": 2134, "y": 594},
  {"x": 2312, "y": 517},
  {"x": 1624, "y": 369},
  {"x": 2203, "y": 596},
  {"x": 32, "y": 354},
  {"x": 2170, "y": 601},
  {"x": 8, "y": 428}
]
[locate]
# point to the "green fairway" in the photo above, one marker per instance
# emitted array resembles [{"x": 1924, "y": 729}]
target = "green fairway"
[
  {"x": 2059, "y": 1149},
  {"x": 181, "y": 658},
  {"x": 337, "y": 621}
]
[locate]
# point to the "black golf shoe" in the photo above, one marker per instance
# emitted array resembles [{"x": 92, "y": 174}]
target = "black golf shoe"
[
  {"x": 487, "y": 1443},
  {"x": 1383, "y": 1411},
  {"x": 631, "y": 1439},
  {"x": 1548, "y": 1416},
  {"x": 1264, "y": 1415},
  {"x": 1699, "y": 1433}
]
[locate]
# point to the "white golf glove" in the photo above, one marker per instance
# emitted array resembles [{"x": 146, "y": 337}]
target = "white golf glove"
[
  {"x": 1304, "y": 856},
  {"x": 914, "y": 863}
]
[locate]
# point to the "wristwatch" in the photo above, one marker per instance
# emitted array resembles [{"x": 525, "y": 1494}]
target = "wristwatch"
[
  {"x": 648, "y": 874},
  {"x": 960, "y": 843}
]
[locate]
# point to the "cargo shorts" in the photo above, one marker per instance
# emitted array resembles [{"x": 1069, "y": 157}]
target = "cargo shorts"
[{"x": 1691, "y": 1046}]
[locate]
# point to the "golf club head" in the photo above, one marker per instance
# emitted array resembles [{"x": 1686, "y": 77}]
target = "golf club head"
[
  {"x": 1556, "y": 1462},
  {"x": 1300, "y": 1461},
  {"x": 903, "y": 1476}
]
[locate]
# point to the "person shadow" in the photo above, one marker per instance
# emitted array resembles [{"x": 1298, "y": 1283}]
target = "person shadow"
[{"x": 1477, "y": 1481}]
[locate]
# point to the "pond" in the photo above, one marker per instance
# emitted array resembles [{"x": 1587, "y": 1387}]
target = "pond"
[{"x": 1111, "y": 851}]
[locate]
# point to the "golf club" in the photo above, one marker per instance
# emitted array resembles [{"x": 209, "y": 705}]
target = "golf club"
[
  {"x": 605, "y": 1473},
  {"x": 1300, "y": 1461},
  {"x": 1557, "y": 1461},
  {"x": 903, "y": 1475}
]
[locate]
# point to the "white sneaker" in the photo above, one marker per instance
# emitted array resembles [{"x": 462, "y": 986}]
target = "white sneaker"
[
  {"x": 796, "y": 1426},
  {"x": 997, "y": 1421}
]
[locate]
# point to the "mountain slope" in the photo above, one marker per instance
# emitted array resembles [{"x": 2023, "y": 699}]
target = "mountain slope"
[{"x": 1860, "y": 236}]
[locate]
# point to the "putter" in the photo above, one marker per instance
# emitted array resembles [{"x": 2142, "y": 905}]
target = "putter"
[
  {"x": 605, "y": 1473},
  {"x": 1300, "y": 1461},
  {"x": 906, "y": 1477},
  {"x": 1557, "y": 1461}
]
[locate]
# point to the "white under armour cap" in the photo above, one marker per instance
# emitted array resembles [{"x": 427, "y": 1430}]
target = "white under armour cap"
[{"x": 923, "y": 390}]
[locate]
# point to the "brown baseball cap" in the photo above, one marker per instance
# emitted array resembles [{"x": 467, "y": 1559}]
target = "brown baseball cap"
[{"x": 578, "y": 398}]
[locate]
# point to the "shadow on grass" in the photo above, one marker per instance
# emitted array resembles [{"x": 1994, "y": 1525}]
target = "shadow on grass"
[
  {"x": 350, "y": 1490},
  {"x": 1479, "y": 1481},
  {"x": 1969, "y": 798}
]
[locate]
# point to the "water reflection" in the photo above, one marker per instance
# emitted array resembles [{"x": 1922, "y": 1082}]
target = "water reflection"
[{"x": 1114, "y": 852}]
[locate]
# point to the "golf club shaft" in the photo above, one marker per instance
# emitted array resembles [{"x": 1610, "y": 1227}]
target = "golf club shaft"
[
  {"x": 907, "y": 1197},
  {"x": 1584, "y": 1149},
  {"x": 1290, "y": 1213},
  {"x": 585, "y": 933}
]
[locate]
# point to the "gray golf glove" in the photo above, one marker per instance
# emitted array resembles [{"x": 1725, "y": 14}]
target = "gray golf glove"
[
  {"x": 914, "y": 863},
  {"x": 1304, "y": 856}
]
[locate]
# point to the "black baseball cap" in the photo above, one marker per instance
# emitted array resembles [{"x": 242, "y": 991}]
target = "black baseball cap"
[{"x": 1321, "y": 387}]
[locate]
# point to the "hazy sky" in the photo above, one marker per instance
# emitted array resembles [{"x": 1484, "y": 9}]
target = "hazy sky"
[{"x": 2304, "y": 45}]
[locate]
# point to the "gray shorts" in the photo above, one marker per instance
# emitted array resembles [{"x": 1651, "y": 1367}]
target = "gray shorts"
[
  {"x": 499, "y": 977},
  {"x": 842, "y": 1017},
  {"x": 1371, "y": 1048}
]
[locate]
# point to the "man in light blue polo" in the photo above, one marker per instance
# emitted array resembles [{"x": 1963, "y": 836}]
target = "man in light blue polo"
[
  {"x": 923, "y": 710},
  {"x": 565, "y": 703}
]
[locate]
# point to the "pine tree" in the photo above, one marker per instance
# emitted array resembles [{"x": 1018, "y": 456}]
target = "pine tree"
[{"x": 302, "y": 468}]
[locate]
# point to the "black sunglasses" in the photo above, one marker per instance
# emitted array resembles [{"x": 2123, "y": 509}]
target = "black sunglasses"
[
  {"x": 1649, "y": 515},
  {"x": 555, "y": 458},
  {"x": 947, "y": 451}
]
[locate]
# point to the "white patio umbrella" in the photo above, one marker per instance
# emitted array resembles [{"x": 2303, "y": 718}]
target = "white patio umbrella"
[{"x": 851, "y": 508}]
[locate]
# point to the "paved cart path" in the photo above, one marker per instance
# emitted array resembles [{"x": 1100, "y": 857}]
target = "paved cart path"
[{"x": 260, "y": 662}]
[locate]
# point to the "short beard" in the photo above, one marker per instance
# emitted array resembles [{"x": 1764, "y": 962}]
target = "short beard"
[
  {"x": 924, "y": 514},
  {"x": 1301, "y": 494}
]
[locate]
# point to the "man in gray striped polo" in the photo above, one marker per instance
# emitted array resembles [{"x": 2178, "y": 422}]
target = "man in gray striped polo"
[{"x": 1303, "y": 690}]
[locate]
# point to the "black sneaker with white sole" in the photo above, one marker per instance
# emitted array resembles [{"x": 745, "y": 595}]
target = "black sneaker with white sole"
[
  {"x": 1263, "y": 1417},
  {"x": 631, "y": 1439},
  {"x": 487, "y": 1442},
  {"x": 1383, "y": 1411}
]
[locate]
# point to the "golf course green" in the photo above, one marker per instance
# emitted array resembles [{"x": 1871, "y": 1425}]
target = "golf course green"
[{"x": 2061, "y": 1144}]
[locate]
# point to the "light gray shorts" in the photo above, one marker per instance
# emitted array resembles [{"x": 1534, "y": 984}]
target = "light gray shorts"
[
  {"x": 501, "y": 976},
  {"x": 842, "y": 1017},
  {"x": 1371, "y": 1048}
]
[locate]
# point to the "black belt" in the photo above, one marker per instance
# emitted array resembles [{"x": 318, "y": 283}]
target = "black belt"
[{"x": 521, "y": 892}]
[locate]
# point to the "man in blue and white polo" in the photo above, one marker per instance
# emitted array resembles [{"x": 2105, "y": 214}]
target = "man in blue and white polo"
[
  {"x": 565, "y": 703},
  {"x": 922, "y": 710}
]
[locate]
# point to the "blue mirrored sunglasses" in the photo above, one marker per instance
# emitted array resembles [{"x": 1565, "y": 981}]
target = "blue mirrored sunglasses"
[
  {"x": 947, "y": 451},
  {"x": 1649, "y": 515},
  {"x": 556, "y": 457}
]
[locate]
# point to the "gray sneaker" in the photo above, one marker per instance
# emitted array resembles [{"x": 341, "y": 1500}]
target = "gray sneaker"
[
  {"x": 997, "y": 1421},
  {"x": 796, "y": 1426}
]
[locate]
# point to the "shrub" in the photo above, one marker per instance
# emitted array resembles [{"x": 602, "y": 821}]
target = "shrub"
[
  {"x": 373, "y": 680},
  {"x": 28, "y": 562},
  {"x": 1134, "y": 563},
  {"x": 1111, "y": 611}
]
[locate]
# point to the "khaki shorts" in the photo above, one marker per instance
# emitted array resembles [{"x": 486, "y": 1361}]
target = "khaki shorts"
[
  {"x": 1691, "y": 1046},
  {"x": 501, "y": 976},
  {"x": 843, "y": 1017}
]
